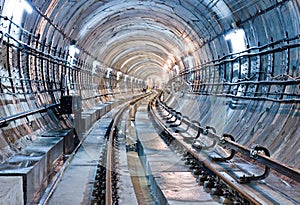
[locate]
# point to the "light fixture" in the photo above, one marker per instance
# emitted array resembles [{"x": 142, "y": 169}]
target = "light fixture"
[
  {"x": 189, "y": 62},
  {"x": 119, "y": 74},
  {"x": 236, "y": 39},
  {"x": 27, "y": 6},
  {"x": 96, "y": 66},
  {"x": 108, "y": 72},
  {"x": 176, "y": 69},
  {"x": 73, "y": 51}
]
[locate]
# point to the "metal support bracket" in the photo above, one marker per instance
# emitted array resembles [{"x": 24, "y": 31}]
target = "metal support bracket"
[
  {"x": 198, "y": 129},
  {"x": 255, "y": 150},
  {"x": 4, "y": 124},
  {"x": 206, "y": 132},
  {"x": 186, "y": 119},
  {"x": 165, "y": 108},
  {"x": 167, "y": 116},
  {"x": 222, "y": 141},
  {"x": 197, "y": 146},
  {"x": 174, "y": 115},
  {"x": 178, "y": 116}
]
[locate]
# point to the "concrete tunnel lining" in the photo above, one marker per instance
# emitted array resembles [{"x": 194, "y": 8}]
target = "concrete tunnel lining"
[
  {"x": 162, "y": 11},
  {"x": 181, "y": 47}
]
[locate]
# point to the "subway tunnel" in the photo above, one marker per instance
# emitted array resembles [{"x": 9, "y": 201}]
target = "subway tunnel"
[{"x": 229, "y": 65}]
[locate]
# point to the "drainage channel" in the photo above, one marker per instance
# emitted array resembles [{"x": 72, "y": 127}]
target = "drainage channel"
[
  {"x": 129, "y": 185},
  {"x": 136, "y": 170},
  {"x": 171, "y": 182}
]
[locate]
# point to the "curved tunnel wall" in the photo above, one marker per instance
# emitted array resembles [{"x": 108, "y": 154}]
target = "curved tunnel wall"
[
  {"x": 36, "y": 73},
  {"x": 254, "y": 94},
  {"x": 251, "y": 92}
]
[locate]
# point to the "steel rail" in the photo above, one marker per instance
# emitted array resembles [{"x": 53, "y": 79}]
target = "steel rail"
[
  {"x": 109, "y": 153},
  {"x": 55, "y": 181},
  {"x": 279, "y": 167},
  {"x": 109, "y": 156},
  {"x": 265, "y": 160},
  {"x": 205, "y": 162}
]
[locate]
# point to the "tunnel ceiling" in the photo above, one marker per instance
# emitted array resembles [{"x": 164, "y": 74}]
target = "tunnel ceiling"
[{"x": 141, "y": 38}]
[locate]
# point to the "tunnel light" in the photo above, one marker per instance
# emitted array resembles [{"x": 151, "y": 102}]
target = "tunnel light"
[
  {"x": 236, "y": 40},
  {"x": 176, "y": 69},
  {"x": 119, "y": 74},
  {"x": 73, "y": 50},
  {"x": 132, "y": 79},
  {"x": 125, "y": 78},
  {"x": 26, "y": 6},
  {"x": 14, "y": 9},
  {"x": 108, "y": 72},
  {"x": 96, "y": 66},
  {"x": 189, "y": 62},
  {"x": 72, "y": 54}
]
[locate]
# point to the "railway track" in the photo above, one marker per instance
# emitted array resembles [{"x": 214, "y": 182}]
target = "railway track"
[
  {"x": 228, "y": 172},
  {"x": 232, "y": 173},
  {"x": 106, "y": 186},
  {"x": 98, "y": 158}
]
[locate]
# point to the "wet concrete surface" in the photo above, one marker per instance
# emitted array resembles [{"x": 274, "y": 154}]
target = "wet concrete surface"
[
  {"x": 76, "y": 185},
  {"x": 11, "y": 191},
  {"x": 273, "y": 189},
  {"x": 139, "y": 181},
  {"x": 170, "y": 179},
  {"x": 125, "y": 186}
]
